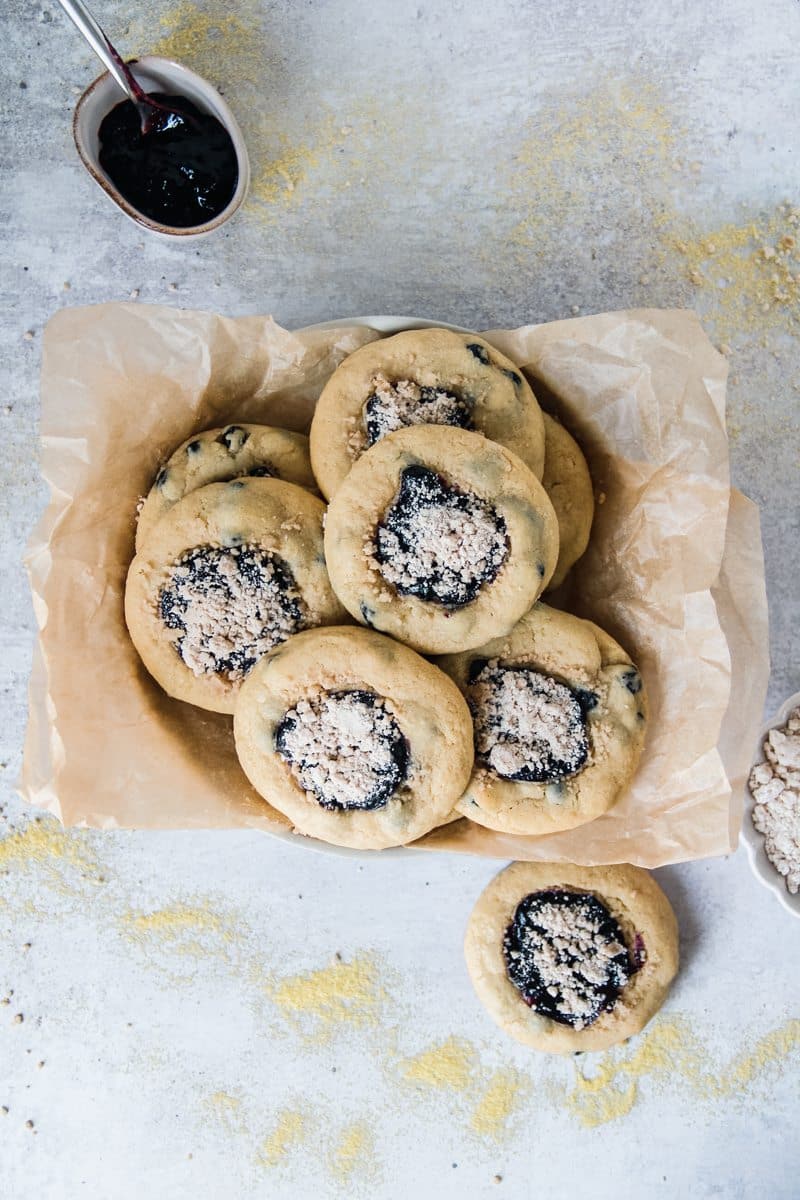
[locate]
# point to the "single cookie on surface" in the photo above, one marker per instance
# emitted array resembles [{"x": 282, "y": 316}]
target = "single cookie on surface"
[
  {"x": 231, "y": 570},
  {"x": 567, "y": 481},
  {"x": 218, "y": 455},
  {"x": 422, "y": 377},
  {"x": 440, "y": 538},
  {"x": 355, "y": 738},
  {"x": 567, "y": 958},
  {"x": 559, "y": 715}
]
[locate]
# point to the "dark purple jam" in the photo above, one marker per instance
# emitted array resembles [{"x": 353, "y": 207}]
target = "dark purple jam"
[
  {"x": 182, "y": 172},
  {"x": 567, "y": 956}
]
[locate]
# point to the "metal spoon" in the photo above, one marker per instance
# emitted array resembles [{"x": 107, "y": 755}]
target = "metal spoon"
[{"x": 153, "y": 114}]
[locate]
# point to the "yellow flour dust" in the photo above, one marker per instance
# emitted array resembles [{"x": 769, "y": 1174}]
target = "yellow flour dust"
[
  {"x": 671, "y": 1049},
  {"x": 504, "y": 1093},
  {"x": 344, "y": 995},
  {"x": 226, "y": 46},
  {"x": 612, "y": 1090},
  {"x": 572, "y": 143},
  {"x": 354, "y": 1153},
  {"x": 288, "y": 1133},
  {"x": 181, "y": 928},
  {"x": 749, "y": 274},
  {"x": 771, "y": 1050},
  {"x": 227, "y": 1110},
  {"x": 176, "y": 937},
  {"x": 448, "y": 1065},
  {"x": 283, "y": 167},
  {"x": 45, "y": 846}
]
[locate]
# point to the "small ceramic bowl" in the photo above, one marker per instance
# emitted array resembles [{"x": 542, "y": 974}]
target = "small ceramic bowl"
[
  {"x": 155, "y": 75},
  {"x": 753, "y": 840}
]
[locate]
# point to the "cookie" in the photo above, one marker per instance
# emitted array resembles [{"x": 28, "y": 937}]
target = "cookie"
[
  {"x": 231, "y": 570},
  {"x": 218, "y": 455},
  {"x": 422, "y": 377},
  {"x": 567, "y": 958},
  {"x": 355, "y": 738},
  {"x": 440, "y": 538},
  {"x": 559, "y": 715},
  {"x": 567, "y": 481}
]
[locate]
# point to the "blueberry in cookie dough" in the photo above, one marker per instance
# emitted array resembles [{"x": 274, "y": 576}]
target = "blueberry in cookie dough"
[
  {"x": 218, "y": 455},
  {"x": 559, "y": 716},
  {"x": 230, "y": 571},
  {"x": 440, "y": 538},
  {"x": 354, "y": 737},
  {"x": 568, "y": 958},
  {"x": 567, "y": 481},
  {"x": 422, "y": 377}
]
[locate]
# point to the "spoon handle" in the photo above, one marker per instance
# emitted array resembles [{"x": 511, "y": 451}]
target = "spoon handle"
[{"x": 79, "y": 14}]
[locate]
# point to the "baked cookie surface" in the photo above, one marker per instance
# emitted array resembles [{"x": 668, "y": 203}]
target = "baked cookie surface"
[
  {"x": 354, "y": 737},
  {"x": 440, "y": 538},
  {"x": 423, "y": 376},
  {"x": 567, "y": 958},
  {"x": 559, "y": 716},
  {"x": 217, "y": 455},
  {"x": 567, "y": 481},
  {"x": 230, "y": 571}
]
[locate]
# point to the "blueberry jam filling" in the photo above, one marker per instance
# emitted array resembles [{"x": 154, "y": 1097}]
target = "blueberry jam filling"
[
  {"x": 438, "y": 543},
  {"x": 480, "y": 352},
  {"x": 181, "y": 172},
  {"x": 233, "y": 438},
  {"x": 567, "y": 957},
  {"x": 632, "y": 681},
  {"x": 528, "y": 726},
  {"x": 392, "y": 406},
  {"x": 229, "y": 606},
  {"x": 345, "y": 748}
]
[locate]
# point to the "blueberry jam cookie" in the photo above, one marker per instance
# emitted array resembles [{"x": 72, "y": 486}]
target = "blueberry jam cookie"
[
  {"x": 218, "y": 455},
  {"x": 567, "y": 481},
  {"x": 354, "y": 737},
  {"x": 568, "y": 958},
  {"x": 423, "y": 377},
  {"x": 559, "y": 715},
  {"x": 229, "y": 572},
  {"x": 440, "y": 538}
]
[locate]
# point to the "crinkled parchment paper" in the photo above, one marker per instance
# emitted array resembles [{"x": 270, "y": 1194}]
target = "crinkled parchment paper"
[{"x": 674, "y": 568}]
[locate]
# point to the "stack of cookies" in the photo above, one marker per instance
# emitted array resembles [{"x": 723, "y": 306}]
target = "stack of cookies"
[{"x": 388, "y": 661}]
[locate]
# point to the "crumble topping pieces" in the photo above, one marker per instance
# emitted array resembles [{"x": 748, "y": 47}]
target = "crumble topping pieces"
[
  {"x": 566, "y": 955},
  {"x": 528, "y": 726},
  {"x": 229, "y": 606},
  {"x": 345, "y": 749},
  {"x": 437, "y": 542}
]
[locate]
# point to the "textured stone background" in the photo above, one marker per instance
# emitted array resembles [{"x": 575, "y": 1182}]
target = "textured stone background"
[{"x": 490, "y": 165}]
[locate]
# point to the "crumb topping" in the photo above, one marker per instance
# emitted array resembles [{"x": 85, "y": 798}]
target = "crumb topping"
[
  {"x": 528, "y": 726},
  {"x": 392, "y": 406},
  {"x": 229, "y": 606},
  {"x": 345, "y": 749},
  {"x": 566, "y": 955},
  {"x": 775, "y": 785},
  {"x": 438, "y": 543}
]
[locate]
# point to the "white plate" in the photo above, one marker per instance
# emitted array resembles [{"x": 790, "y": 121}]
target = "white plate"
[{"x": 753, "y": 840}]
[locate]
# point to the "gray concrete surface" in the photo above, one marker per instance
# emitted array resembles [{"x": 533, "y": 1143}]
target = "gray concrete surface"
[{"x": 487, "y": 164}]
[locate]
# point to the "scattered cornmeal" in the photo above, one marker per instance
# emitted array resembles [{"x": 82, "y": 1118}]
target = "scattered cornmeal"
[{"x": 775, "y": 786}]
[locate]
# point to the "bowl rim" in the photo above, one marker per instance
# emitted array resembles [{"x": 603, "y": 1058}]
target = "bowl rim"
[
  {"x": 154, "y": 61},
  {"x": 760, "y": 865}
]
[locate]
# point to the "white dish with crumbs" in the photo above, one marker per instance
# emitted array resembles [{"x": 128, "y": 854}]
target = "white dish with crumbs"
[{"x": 763, "y": 869}]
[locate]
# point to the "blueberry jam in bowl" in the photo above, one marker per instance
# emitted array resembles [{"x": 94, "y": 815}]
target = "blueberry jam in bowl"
[{"x": 198, "y": 173}]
